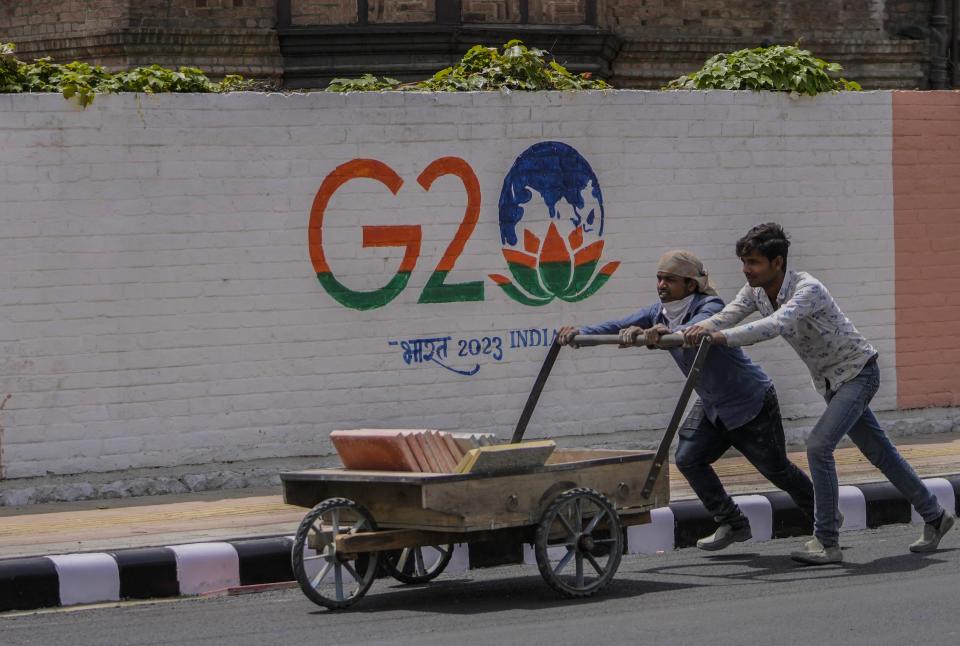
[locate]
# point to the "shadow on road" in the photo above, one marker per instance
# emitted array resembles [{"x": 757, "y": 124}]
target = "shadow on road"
[
  {"x": 471, "y": 597},
  {"x": 753, "y": 566},
  {"x": 466, "y": 596}
]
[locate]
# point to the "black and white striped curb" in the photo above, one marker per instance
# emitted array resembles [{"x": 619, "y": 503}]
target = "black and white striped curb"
[
  {"x": 142, "y": 573},
  {"x": 200, "y": 568}
]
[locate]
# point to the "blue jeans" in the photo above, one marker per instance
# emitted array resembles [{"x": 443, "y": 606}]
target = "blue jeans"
[
  {"x": 761, "y": 442},
  {"x": 848, "y": 413}
]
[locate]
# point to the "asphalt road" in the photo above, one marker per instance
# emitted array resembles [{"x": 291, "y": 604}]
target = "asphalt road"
[{"x": 748, "y": 594}]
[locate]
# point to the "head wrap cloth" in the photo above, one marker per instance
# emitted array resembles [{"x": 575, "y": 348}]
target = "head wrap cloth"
[{"x": 686, "y": 265}]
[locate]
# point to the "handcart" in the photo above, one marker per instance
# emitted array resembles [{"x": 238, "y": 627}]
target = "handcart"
[{"x": 573, "y": 509}]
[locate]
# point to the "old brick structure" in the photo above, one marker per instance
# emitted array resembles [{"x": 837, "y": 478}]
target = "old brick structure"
[{"x": 633, "y": 43}]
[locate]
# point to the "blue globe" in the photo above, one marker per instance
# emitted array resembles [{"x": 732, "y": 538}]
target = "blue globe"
[{"x": 555, "y": 171}]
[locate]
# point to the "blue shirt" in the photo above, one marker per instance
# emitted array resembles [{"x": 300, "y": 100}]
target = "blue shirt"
[{"x": 731, "y": 387}]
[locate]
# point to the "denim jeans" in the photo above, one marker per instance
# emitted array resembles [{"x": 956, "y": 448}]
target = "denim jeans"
[
  {"x": 760, "y": 441},
  {"x": 848, "y": 413}
]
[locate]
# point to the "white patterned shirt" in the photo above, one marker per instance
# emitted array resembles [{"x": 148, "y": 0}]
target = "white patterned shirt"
[{"x": 808, "y": 319}]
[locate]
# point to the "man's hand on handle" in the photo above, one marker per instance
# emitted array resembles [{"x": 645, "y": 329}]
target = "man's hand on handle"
[
  {"x": 566, "y": 334},
  {"x": 629, "y": 335},
  {"x": 693, "y": 334},
  {"x": 650, "y": 337}
]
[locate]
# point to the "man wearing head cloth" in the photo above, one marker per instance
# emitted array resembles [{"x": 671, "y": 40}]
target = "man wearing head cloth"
[{"x": 737, "y": 405}]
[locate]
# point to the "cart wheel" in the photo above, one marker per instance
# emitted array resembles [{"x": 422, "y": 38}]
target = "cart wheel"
[
  {"x": 417, "y": 564},
  {"x": 330, "y": 578},
  {"x": 579, "y": 543}
]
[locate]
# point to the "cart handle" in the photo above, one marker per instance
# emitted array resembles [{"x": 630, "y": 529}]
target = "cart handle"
[
  {"x": 663, "y": 451},
  {"x": 674, "y": 340}
]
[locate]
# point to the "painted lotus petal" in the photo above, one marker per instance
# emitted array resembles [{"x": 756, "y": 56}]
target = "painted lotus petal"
[
  {"x": 531, "y": 243},
  {"x": 602, "y": 277},
  {"x": 528, "y": 279},
  {"x": 517, "y": 295},
  {"x": 556, "y": 265},
  {"x": 523, "y": 266},
  {"x": 554, "y": 248},
  {"x": 610, "y": 267},
  {"x": 576, "y": 238},
  {"x": 581, "y": 276},
  {"x": 589, "y": 253},
  {"x": 598, "y": 282},
  {"x": 512, "y": 256}
]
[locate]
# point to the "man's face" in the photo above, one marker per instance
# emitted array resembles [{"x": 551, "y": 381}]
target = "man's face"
[
  {"x": 759, "y": 271},
  {"x": 671, "y": 287}
]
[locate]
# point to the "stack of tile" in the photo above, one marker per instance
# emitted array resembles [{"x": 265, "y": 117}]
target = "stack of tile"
[{"x": 416, "y": 450}]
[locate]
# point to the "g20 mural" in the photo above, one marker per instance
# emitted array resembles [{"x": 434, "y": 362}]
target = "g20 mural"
[{"x": 561, "y": 234}]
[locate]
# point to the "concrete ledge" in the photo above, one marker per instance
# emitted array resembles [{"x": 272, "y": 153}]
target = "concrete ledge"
[{"x": 200, "y": 568}]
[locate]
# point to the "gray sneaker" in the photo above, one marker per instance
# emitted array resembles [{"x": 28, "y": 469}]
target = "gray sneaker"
[
  {"x": 724, "y": 537},
  {"x": 932, "y": 533},
  {"x": 816, "y": 553}
]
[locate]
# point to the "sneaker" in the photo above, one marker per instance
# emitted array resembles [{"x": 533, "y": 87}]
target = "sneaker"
[
  {"x": 816, "y": 553},
  {"x": 932, "y": 533},
  {"x": 724, "y": 537}
]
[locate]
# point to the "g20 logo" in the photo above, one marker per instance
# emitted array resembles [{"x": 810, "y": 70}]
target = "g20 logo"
[{"x": 549, "y": 265}]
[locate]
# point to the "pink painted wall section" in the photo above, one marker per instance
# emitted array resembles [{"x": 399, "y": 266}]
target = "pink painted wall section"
[{"x": 926, "y": 183}]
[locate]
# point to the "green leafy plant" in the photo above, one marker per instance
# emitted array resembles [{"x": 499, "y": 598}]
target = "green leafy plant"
[
  {"x": 485, "y": 68},
  {"x": 81, "y": 81},
  {"x": 366, "y": 83},
  {"x": 777, "y": 68}
]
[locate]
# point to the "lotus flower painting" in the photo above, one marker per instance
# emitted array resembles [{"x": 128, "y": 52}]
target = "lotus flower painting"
[{"x": 551, "y": 224}]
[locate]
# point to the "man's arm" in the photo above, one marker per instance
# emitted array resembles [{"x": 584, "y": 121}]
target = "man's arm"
[
  {"x": 713, "y": 317},
  {"x": 706, "y": 308},
  {"x": 735, "y": 311},
  {"x": 803, "y": 303},
  {"x": 643, "y": 318}
]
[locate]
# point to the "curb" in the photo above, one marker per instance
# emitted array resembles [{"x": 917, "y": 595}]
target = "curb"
[{"x": 205, "y": 568}]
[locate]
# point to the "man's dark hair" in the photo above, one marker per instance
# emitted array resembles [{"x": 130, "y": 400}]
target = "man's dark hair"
[{"x": 769, "y": 239}]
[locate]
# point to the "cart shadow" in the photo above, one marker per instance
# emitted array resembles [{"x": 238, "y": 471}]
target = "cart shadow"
[
  {"x": 467, "y": 596},
  {"x": 463, "y": 596}
]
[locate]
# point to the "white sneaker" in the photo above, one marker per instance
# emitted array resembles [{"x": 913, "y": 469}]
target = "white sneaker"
[
  {"x": 816, "y": 553},
  {"x": 724, "y": 537},
  {"x": 932, "y": 533}
]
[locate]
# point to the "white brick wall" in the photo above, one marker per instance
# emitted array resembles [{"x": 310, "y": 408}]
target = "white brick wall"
[{"x": 158, "y": 305}]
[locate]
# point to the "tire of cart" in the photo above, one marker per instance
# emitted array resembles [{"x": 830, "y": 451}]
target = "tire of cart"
[
  {"x": 416, "y": 564},
  {"x": 328, "y": 577},
  {"x": 579, "y": 542}
]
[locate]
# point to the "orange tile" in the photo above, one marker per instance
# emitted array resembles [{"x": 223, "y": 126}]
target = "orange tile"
[
  {"x": 374, "y": 449},
  {"x": 414, "y": 445},
  {"x": 432, "y": 461},
  {"x": 442, "y": 451}
]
